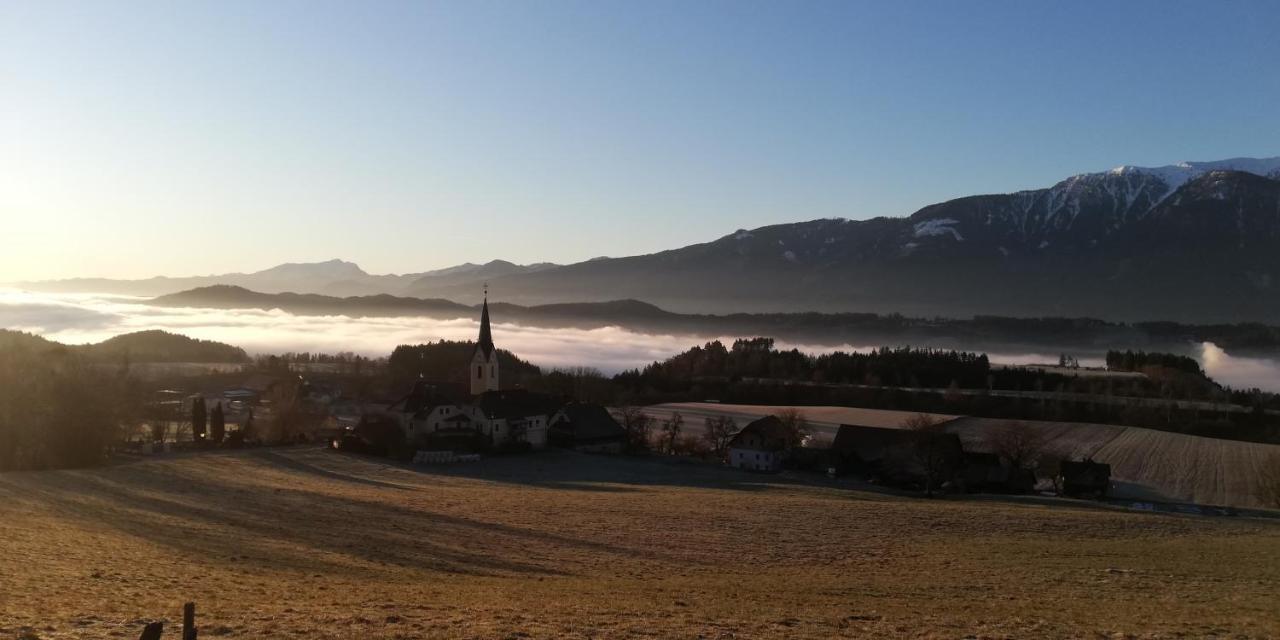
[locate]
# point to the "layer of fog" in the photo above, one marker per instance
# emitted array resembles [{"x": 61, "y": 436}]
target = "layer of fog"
[{"x": 84, "y": 318}]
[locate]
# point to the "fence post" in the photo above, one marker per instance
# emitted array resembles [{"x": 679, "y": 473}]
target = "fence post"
[
  {"x": 152, "y": 631},
  {"x": 189, "y": 621}
]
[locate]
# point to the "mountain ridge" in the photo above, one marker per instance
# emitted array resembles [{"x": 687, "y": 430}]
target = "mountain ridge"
[{"x": 1193, "y": 241}]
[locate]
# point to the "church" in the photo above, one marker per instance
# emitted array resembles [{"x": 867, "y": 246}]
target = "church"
[
  {"x": 439, "y": 414},
  {"x": 485, "y": 359}
]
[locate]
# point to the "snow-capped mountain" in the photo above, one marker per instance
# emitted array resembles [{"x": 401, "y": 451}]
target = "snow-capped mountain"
[
  {"x": 1196, "y": 241},
  {"x": 1079, "y": 213}
]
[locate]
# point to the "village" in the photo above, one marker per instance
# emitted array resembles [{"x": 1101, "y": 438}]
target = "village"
[{"x": 436, "y": 422}]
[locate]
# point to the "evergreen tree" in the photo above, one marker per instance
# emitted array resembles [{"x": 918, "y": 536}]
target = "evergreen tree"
[
  {"x": 199, "y": 418},
  {"x": 217, "y": 424}
]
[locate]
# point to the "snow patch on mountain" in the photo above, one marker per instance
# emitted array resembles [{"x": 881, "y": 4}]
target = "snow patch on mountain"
[
  {"x": 1176, "y": 175},
  {"x": 938, "y": 227}
]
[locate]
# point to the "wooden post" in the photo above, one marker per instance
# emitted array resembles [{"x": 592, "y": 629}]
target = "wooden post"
[
  {"x": 189, "y": 621},
  {"x": 152, "y": 631}
]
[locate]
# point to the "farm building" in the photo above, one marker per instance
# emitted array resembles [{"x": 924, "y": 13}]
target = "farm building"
[
  {"x": 586, "y": 427},
  {"x": 513, "y": 415},
  {"x": 1084, "y": 477},
  {"x": 987, "y": 472},
  {"x": 253, "y": 389},
  {"x": 893, "y": 455},
  {"x": 759, "y": 446}
]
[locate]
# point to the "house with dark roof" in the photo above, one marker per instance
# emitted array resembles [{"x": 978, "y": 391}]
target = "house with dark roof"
[
  {"x": 429, "y": 407},
  {"x": 513, "y": 415},
  {"x": 893, "y": 455},
  {"x": 762, "y": 445},
  {"x": 987, "y": 472},
  {"x": 586, "y": 427},
  {"x": 253, "y": 389},
  {"x": 1084, "y": 477}
]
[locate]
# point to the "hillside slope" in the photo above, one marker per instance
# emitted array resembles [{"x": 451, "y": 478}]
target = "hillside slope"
[
  {"x": 1145, "y": 464},
  {"x": 563, "y": 545}
]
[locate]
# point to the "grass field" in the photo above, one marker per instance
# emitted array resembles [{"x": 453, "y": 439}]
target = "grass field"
[
  {"x": 1145, "y": 464},
  {"x": 306, "y": 543}
]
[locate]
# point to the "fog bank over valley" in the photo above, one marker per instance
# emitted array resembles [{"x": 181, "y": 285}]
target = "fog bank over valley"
[{"x": 77, "y": 318}]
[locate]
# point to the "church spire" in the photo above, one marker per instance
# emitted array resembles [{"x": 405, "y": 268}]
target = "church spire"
[{"x": 485, "y": 343}]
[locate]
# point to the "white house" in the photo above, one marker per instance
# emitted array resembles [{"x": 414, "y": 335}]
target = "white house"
[{"x": 759, "y": 446}]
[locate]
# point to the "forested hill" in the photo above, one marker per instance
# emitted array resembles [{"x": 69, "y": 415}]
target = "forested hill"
[
  {"x": 141, "y": 346},
  {"x": 448, "y": 361}
]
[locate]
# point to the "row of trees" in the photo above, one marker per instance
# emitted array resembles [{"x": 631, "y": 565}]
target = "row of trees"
[
  {"x": 756, "y": 358},
  {"x": 1142, "y": 360},
  {"x": 449, "y": 361},
  {"x": 57, "y": 411}
]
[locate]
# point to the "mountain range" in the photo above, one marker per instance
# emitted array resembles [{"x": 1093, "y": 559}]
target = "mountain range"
[{"x": 1192, "y": 242}]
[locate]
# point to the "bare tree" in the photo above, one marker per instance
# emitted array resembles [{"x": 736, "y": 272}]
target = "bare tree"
[
  {"x": 1017, "y": 443},
  {"x": 671, "y": 428},
  {"x": 928, "y": 449},
  {"x": 637, "y": 425},
  {"x": 1050, "y": 466},
  {"x": 796, "y": 425},
  {"x": 719, "y": 431},
  {"x": 1267, "y": 484}
]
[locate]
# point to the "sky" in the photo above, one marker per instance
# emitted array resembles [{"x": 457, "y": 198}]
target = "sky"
[{"x": 147, "y": 138}]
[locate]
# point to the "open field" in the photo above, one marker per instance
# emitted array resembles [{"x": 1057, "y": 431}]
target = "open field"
[
  {"x": 304, "y": 542},
  {"x": 1145, "y": 464}
]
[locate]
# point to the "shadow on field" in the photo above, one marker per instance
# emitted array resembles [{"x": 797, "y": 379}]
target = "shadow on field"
[
  {"x": 211, "y": 519},
  {"x": 295, "y": 464},
  {"x": 574, "y": 471}
]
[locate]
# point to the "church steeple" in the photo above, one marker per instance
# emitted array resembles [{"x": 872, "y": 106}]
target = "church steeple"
[
  {"x": 485, "y": 343},
  {"x": 484, "y": 362}
]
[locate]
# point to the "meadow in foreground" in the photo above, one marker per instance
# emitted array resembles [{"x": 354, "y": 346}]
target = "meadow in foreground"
[{"x": 303, "y": 542}]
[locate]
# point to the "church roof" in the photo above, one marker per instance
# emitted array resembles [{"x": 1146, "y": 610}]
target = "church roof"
[
  {"x": 427, "y": 395},
  {"x": 516, "y": 403},
  {"x": 485, "y": 343}
]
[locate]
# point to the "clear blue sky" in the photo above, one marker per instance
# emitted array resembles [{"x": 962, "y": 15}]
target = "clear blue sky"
[{"x": 180, "y": 137}]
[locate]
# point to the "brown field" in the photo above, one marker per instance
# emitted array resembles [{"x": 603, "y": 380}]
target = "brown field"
[
  {"x": 1145, "y": 464},
  {"x": 306, "y": 543}
]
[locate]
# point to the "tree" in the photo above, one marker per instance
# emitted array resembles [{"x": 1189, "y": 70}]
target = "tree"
[
  {"x": 719, "y": 431},
  {"x": 248, "y": 431},
  {"x": 217, "y": 424},
  {"x": 290, "y": 418},
  {"x": 671, "y": 431},
  {"x": 796, "y": 427},
  {"x": 1050, "y": 466},
  {"x": 928, "y": 449},
  {"x": 1017, "y": 443},
  {"x": 637, "y": 425},
  {"x": 199, "y": 418},
  {"x": 1267, "y": 483}
]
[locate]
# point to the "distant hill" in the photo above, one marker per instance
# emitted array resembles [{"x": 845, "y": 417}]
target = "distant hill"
[
  {"x": 232, "y": 297},
  {"x": 138, "y": 347},
  {"x": 332, "y": 277}
]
